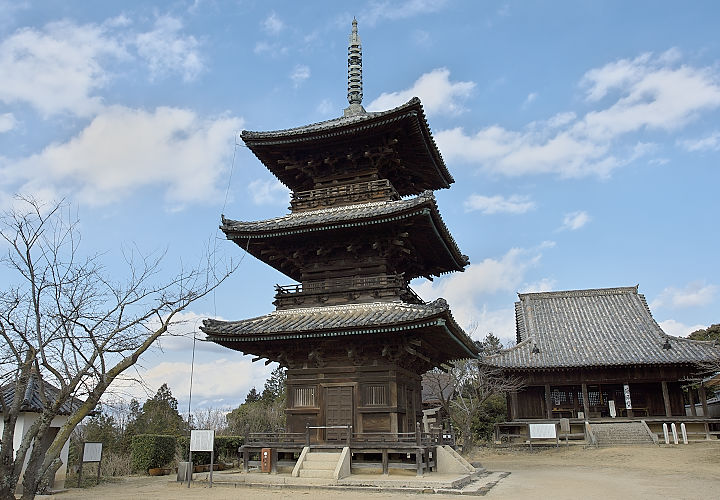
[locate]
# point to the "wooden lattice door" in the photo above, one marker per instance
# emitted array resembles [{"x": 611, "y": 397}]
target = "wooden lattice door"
[{"x": 338, "y": 411}]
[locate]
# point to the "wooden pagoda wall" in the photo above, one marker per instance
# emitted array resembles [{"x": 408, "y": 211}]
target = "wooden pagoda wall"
[{"x": 372, "y": 398}]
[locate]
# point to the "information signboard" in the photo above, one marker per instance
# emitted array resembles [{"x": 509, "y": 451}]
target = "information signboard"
[
  {"x": 202, "y": 440},
  {"x": 543, "y": 431},
  {"x": 92, "y": 452}
]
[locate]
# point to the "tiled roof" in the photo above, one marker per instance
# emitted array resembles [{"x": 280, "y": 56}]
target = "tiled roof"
[
  {"x": 264, "y": 143},
  {"x": 329, "y": 318},
  {"x": 348, "y": 216},
  {"x": 32, "y": 401},
  {"x": 599, "y": 327},
  {"x": 331, "y": 321}
]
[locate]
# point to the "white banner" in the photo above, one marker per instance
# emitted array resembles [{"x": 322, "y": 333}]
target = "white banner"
[
  {"x": 628, "y": 401},
  {"x": 542, "y": 431},
  {"x": 202, "y": 440}
]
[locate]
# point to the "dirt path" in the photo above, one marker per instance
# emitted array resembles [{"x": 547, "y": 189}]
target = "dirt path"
[{"x": 677, "y": 472}]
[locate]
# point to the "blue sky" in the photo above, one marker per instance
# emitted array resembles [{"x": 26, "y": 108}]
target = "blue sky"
[{"x": 583, "y": 136}]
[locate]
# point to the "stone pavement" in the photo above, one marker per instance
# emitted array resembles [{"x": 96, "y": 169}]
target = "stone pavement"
[{"x": 477, "y": 483}]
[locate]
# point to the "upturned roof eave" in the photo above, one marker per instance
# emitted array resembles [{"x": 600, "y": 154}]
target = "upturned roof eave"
[
  {"x": 258, "y": 141},
  {"x": 422, "y": 205}
]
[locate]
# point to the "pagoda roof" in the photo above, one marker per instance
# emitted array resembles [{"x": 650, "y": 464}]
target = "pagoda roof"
[
  {"x": 443, "y": 251},
  {"x": 422, "y": 164},
  {"x": 385, "y": 318},
  {"x": 594, "y": 328}
]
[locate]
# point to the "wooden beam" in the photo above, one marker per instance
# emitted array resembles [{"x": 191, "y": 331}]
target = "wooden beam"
[
  {"x": 513, "y": 405},
  {"x": 691, "y": 398},
  {"x": 415, "y": 353},
  {"x": 548, "y": 402},
  {"x": 586, "y": 401},
  {"x": 666, "y": 399},
  {"x": 703, "y": 400}
]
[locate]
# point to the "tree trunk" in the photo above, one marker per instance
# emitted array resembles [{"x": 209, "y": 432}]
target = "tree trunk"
[{"x": 32, "y": 475}]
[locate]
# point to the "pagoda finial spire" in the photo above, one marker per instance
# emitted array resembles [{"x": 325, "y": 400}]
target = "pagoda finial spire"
[{"x": 355, "y": 93}]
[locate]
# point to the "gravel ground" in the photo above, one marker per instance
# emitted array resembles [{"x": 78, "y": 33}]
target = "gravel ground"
[{"x": 670, "y": 472}]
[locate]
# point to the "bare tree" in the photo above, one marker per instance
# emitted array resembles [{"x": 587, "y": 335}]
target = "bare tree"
[
  {"x": 68, "y": 324},
  {"x": 467, "y": 386}
]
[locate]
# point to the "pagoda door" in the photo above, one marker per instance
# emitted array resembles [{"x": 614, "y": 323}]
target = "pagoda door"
[{"x": 338, "y": 411}]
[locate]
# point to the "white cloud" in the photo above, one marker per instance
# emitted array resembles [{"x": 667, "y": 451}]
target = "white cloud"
[
  {"x": 325, "y": 107},
  {"x": 392, "y": 10},
  {"x": 273, "y": 24},
  {"x": 488, "y": 205},
  {"x": 694, "y": 294},
  {"x": 271, "y": 192},
  {"x": 575, "y": 220},
  {"x": 643, "y": 95},
  {"x": 677, "y": 329},
  {"x": 57, "y": 69},
  {"x": 437, "y": 92},
  {"x": 710, "y": 142},
  {"x": 273, "y": 49},
  {"x": 7, "y": 122},
  {"x": 464, "y": 291},
  {"x": 124, "y": 149},
  {"x": 530, "y": 98},
  {"x": 179, "y": 336},
  {"x": 167, "y": 52},
  {"x": 210, "y": 380},
  {"x": 299, "y": 74}
]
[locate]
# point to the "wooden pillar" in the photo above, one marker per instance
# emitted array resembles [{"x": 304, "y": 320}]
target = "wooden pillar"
[
  {"x": 691, "y": 400},
  {"x": 586, "y": 401},
  {"x": 548, "y": 405},
  {"x": 513, "y": 406},
  {"x": 666, "y": 399},
  {"x": 703, "y": 400}
]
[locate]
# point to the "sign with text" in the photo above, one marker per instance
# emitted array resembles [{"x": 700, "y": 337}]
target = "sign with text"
[
  {"x": 628, "y": 401},
  {"x": 202, "y": 440},
  {"x": 543, "y": 431},
  {"x": 92, "y": 452}
]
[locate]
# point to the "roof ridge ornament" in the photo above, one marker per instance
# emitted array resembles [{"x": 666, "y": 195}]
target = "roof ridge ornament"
[{"x": 355, "y": 93}]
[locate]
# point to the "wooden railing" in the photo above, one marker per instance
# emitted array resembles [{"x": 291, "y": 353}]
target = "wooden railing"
[
  {"x": 349, "y": 438},
  {"x": 343, "y": 194},
  {"x": 348, "y": 285}
]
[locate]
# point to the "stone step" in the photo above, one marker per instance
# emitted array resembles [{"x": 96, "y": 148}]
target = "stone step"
[
  {"x": 621, "y": 433},
  {"x": 325, "y": 474},
  {"x": 319, "y": 465},
  {"x": 322, "y": 457}
]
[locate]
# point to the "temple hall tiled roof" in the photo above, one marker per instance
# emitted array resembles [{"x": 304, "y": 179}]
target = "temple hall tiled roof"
[
  {"x": 340, "y": 320},
  {"x": 32, "y": 402},
  {"x": 593, "y": 328}
]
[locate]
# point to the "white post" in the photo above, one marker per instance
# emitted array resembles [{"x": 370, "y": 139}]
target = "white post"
[
  {"x": 674, "y": 433},
  {"x": 684, "y": 433},
  {"x": 665, "y": 432}
]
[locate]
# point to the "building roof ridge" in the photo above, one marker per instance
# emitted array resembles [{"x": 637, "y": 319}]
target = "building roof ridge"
[
  {"x": 325, "y": 124},
  {"x": 587, "y": 292},
  {"x": 410, "y": 201}
]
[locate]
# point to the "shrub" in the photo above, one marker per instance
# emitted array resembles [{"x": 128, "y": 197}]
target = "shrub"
[
  {"x": 224, "y": 447},
  {"x": 152, "y": 450}
]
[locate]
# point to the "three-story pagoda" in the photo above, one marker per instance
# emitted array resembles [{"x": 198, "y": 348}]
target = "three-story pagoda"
[{"x": 354, "y": 337}]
